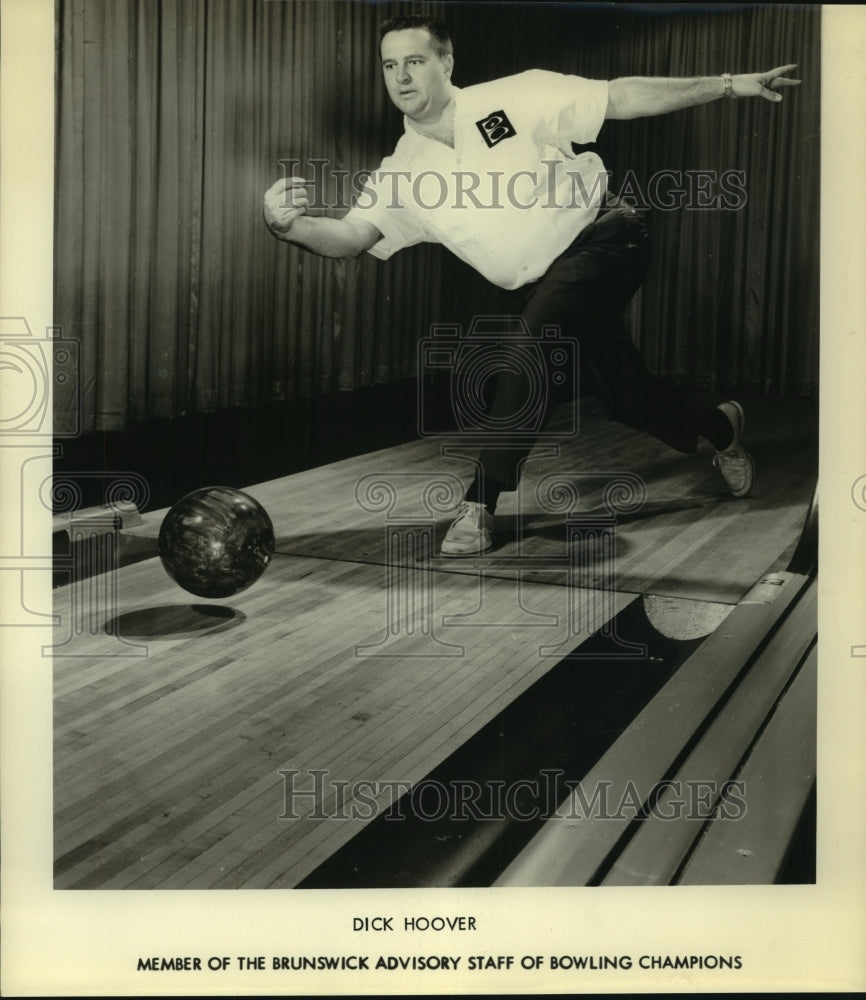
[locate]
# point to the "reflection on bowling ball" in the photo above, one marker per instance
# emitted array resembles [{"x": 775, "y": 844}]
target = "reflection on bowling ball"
[{"x": 216, "y": 541}]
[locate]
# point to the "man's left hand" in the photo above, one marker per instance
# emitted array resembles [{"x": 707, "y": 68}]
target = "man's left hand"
[{"x": 766, "y": 85}]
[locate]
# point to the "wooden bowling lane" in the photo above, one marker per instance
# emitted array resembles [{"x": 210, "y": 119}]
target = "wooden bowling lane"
[
  {"x": 176, "y": 728},
  {"x": 688, "y": 538},
  {"x": 168, "y": 765}
]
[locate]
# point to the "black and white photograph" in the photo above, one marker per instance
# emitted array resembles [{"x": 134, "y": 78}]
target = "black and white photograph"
[{"x": 412, "y": 504}]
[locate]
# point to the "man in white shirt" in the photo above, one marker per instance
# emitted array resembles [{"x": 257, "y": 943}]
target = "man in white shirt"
[{"x": 494, "y": 173}]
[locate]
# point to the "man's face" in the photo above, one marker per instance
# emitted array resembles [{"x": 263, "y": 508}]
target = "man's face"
[{"x": 418, "y": 81}]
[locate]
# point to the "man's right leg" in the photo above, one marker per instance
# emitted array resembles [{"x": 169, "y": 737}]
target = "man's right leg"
[{"x": 659, "y": 408}]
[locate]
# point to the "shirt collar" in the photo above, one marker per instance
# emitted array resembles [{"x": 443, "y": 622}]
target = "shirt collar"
[{"x": 417, "y": 142}]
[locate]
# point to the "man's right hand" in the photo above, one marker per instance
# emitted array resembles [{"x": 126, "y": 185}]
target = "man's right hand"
[{"x": 285, "y": 201}]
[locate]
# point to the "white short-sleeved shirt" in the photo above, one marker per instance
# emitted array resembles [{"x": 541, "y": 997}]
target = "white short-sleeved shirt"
[{"x": 512, "y": 194}]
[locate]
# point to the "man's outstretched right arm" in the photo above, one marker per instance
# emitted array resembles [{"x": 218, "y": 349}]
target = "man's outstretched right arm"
[{"x": 285, "y": 210}]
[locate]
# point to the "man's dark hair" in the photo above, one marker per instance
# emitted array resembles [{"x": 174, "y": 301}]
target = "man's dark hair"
[{"x": 437, "y": 31}]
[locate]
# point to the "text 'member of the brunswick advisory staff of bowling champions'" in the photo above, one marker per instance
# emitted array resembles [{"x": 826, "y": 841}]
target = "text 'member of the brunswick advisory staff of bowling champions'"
[{"x": 571, "y": 262}]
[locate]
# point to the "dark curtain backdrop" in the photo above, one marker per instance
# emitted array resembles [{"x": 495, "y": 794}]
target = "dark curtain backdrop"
[{"x": 173, "y": 117}]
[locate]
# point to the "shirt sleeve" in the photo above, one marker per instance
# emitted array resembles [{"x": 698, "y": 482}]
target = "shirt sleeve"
[
  {"x": 382, "y": 203},
  {"x": 574, "y": 107}
]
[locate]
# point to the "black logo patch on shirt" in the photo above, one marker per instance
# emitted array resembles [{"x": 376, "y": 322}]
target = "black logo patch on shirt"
[{"x": 495, "y": 127}]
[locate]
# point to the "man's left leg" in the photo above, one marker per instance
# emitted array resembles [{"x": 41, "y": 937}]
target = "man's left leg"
[{"x": 584, "y": 294}]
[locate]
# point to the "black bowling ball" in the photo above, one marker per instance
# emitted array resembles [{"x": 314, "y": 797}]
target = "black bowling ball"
[{"x": 216, "y": 541}]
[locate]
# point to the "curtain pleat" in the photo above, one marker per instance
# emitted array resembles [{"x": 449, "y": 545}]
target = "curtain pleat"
[{"x": 174, "y": 116}]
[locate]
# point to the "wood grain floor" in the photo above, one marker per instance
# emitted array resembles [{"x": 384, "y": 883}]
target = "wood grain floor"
[{"x": 182, "y": 728}]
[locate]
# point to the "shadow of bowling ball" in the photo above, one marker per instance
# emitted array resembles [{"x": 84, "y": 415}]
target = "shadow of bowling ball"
[{"x": 216, "y": 541}]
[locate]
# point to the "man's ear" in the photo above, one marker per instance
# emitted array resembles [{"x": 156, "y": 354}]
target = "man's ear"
[{"x": 448, "y": 63}]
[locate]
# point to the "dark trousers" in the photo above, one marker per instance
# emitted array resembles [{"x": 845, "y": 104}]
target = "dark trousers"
[{"x": 585, "y": 292}]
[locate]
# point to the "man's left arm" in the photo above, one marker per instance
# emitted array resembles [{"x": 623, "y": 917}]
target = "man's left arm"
[{"x": 642, "y": 96}]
